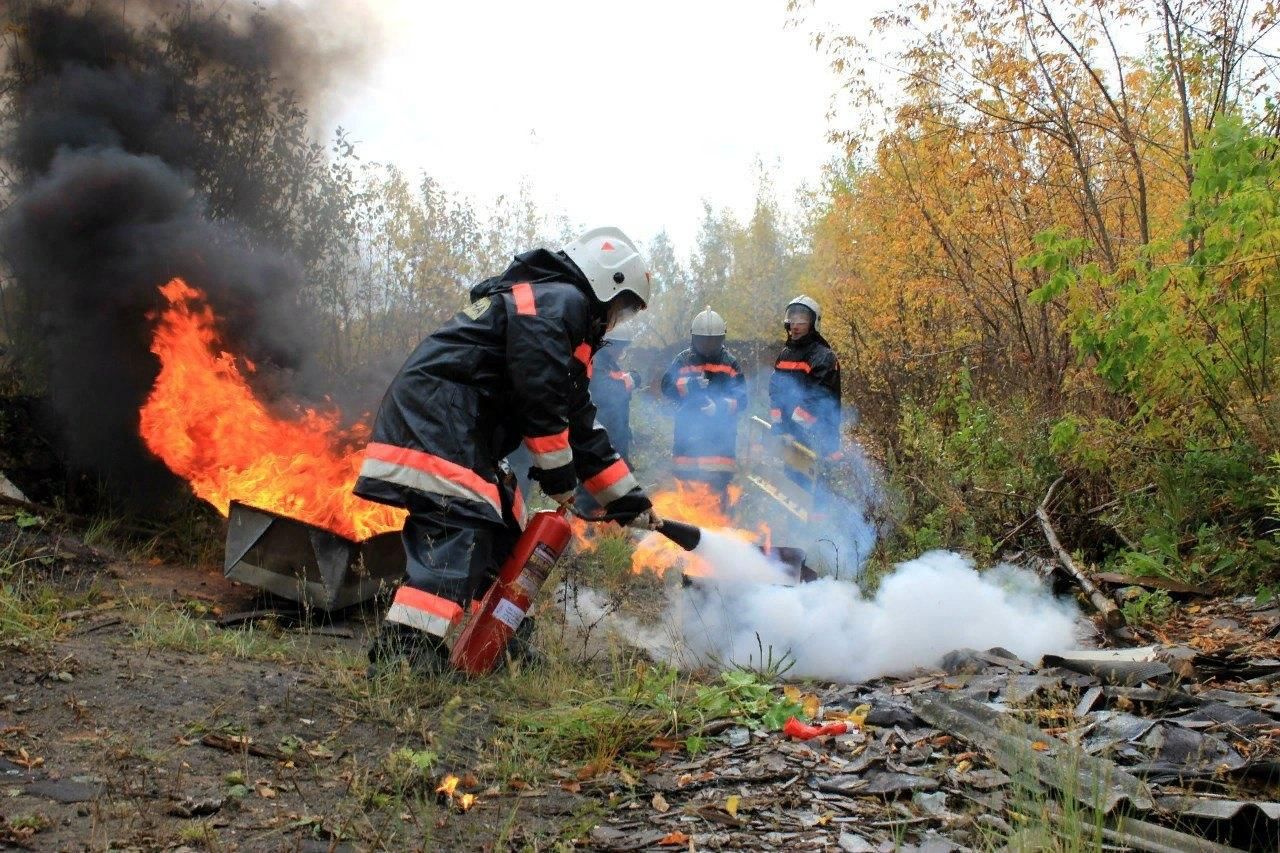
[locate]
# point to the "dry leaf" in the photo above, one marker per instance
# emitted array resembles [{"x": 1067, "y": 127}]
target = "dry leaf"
[
  {"x": 469, "y": 780},
  {"x": 627, "y": 778},
  {"x": 572, "y": 787},
  {"x": 811, "y": 705},
  {"x": 825, "y": 818},
  {"x": 731, "y": 805},
  {"x": 666, "y": 744},
  {"x": 660, "y": 803},
  {"x": 963, "y": 766},
  {"x": 266, "y": 791},
  {"x": 792, "y": 693},
  {"x": 858, "y": 716},
  {"x": 1039, "y": 746},
  {"x": 588, "y": 770},
  {"x": 673, "y": 839}
]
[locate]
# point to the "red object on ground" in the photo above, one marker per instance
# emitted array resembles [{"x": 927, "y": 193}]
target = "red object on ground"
[
  {"x": 503, "y": 608},
  {"x": 803, "y": 731}
]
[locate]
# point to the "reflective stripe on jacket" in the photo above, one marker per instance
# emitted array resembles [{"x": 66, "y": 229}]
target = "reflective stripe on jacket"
[
  {"x": 804, "y": 394},
  {"x": 512, "y": 367}
]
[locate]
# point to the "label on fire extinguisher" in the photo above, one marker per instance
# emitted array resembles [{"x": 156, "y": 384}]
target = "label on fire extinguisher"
[
  {"x": 539, "y": 565},
  {"x": 508, "y": 614}
]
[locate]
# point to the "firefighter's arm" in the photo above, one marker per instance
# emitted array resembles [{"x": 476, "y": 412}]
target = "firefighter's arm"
[
  {"x": 603, "y": 472},
  {"x": 675, "y": 385},
  {"x": 777, "y": 393},
  {"x": 541, "y": 344},
  {"x": 823, "y": 397},
  {"x": 736, "y": 398}
]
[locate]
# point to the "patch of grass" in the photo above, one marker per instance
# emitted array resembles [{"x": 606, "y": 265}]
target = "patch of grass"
[
  {"x": 19, "y": 828},
  {"x": 102, "y": 530},
  {"x": 1146, "y": 608},
  {"x": 200, "y": 834},
  {"x": 30, "y": 607},
  {"x": 589, "y": 719},
  {"x": 173, "y": 629}
]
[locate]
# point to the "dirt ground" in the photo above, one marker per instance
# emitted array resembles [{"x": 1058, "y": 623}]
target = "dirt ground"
[
  {"x": 113, "y": 736},
  {"x": 131, "y": 719}
]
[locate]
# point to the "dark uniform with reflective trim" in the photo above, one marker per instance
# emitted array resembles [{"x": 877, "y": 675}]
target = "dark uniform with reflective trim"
[
  {"x": 706, "y": 437},
  {"x": 611, "y": 390},
  {"x": 512, "y": 367},
  {"x": 804, "y": 394}
]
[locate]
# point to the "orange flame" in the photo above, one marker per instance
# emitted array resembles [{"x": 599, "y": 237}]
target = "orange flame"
[
  {"x": 448, "y": 791},
  {"x": 693, "y": 503},
  {"x": 204, "y": 422}
]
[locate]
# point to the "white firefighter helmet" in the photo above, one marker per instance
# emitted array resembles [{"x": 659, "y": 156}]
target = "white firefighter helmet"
[
  {"x": 708, "y": 324},
  {"x": 610, "y": 262},
  {"x": 708, "y": 330},
  {"x": 804, "y": 302}
]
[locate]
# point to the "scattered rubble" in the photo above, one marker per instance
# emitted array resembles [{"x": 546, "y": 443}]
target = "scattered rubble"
[{"x": 961, "y": 757}]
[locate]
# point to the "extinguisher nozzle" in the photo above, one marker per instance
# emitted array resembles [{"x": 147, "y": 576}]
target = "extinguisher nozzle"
[{"x": 685, "y": 535}]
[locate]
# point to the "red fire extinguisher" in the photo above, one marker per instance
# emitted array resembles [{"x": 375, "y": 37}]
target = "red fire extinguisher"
[{"x": 485, "y": 636}]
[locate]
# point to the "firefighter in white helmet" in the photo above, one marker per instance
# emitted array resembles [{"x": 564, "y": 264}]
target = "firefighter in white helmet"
[
  {"x": 804, "y": 391},
  {"x": 511, "y": 368},
  {"x": 710, "y": 392}
]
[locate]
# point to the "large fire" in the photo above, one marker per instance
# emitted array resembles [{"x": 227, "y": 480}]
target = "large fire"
[
  {"x": 693, "y": 503},
  {"x": 203, "y": 420}
]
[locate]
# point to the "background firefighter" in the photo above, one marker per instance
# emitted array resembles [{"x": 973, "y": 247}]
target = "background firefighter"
[
  {"x": 611, "y": 388},
  {"x": 804, "y": 391},
  {"x": 513, "y": 367},
  {"x": 710, "y": 392}
]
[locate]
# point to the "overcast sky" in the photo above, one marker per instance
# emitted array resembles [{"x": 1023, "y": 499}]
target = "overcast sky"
[{"x": 626, "y": 114}]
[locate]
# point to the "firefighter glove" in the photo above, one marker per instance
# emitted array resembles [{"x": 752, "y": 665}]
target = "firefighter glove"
[
  {"x": 555, "y": 482},
  {"x": 704, "y": 382},
  {"x": 629, "y": 507}
]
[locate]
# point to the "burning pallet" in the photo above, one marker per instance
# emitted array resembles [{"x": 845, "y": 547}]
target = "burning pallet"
[{"x": 300, "y": 562}]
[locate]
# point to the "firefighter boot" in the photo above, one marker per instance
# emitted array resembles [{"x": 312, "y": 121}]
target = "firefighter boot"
[{"x": 425, "y": 654}]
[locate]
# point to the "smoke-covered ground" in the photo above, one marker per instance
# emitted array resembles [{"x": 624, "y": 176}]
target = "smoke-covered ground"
[{"x": 828, "y": 629}]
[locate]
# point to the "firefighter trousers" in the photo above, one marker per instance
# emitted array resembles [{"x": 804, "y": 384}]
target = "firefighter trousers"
[{"x": 451, "y": 557}]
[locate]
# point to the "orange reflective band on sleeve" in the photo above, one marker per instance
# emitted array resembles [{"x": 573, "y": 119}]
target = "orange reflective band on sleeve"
[
  {"x": 548, "y": 443},
  {"x": 682, "y": 386},
  {"x": 428, "y": 473},
  {"x": 794, "y": 365},
  {"x": 624, "y": 377},
  {"x": 518, "y": 508},
  {"x": 775, "y": 414},
  {"x": 801, "y": 414},
  {"x": 583, "y": 354},
  {"x": 611, "y": 483},
  {"x": 523, "y": 295},
  {"x": 550, "y": 451}
]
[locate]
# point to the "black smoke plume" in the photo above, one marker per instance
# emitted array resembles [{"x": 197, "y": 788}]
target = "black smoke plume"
[{"x": 147, "y": 141}]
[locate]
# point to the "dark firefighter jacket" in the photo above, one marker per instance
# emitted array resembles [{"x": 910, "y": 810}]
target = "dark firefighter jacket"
[
  {"x": 611, "y": 390},
  {"x": 705, "y": 442},
  {"x": 804, "y": 394},
  {"x": 511, "y": 367}
]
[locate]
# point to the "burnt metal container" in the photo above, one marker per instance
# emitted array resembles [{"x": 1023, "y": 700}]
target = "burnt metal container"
[{"x": 303, "y": 563}]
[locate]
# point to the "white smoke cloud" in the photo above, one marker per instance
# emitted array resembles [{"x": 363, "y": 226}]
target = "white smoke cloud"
[{"x": 927, "y": 607}]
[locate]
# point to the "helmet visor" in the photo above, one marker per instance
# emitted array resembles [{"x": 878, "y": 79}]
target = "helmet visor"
[{"x": 708, "y": 345}]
